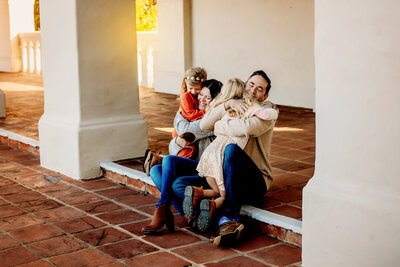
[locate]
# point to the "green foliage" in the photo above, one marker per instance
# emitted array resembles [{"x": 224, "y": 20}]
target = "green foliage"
[
  {"x": 36, "y": 15},
  {"x": 146, "y": 15}
]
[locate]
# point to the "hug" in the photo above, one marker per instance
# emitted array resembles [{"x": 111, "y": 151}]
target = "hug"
[{"x": 219, "y": 155}]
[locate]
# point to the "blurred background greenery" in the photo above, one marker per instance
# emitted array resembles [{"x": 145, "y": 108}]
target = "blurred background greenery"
[{"x": 146, "y": 15}]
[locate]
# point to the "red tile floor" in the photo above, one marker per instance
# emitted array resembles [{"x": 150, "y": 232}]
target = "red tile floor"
[
  {"x": 67, "y": 222},
  {"x": 292, "y": 158}
]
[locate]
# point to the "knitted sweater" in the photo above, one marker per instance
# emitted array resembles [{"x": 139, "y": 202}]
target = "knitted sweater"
[
  {"x": 182, "y": 126},
  {"x": 190, "y": 107},
  {"x": 259, "y": 132}
]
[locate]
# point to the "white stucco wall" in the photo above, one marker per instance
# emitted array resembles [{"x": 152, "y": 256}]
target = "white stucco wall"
[
  {"x": 21, "y": 16},
  {"x": 5, "y": 44},
  {"x": 21, "y": 20},
  {"x": 232, "y": 38},
  {"x": 170, "y": 57},
  {"x": 351, "y": 214}
]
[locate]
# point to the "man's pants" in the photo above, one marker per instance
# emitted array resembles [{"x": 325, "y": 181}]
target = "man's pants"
[{"x": 244, "y": 182}]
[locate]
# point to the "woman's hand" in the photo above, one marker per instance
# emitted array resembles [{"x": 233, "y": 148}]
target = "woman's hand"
[{"x": 237, "y": 105}]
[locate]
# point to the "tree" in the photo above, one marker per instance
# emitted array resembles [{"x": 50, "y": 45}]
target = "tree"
[
  {"x": 36, "y": 15},
  {"x": 146, "y": 15}
]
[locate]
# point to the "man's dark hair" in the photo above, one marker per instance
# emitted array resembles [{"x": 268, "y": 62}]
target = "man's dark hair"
[
  {"x": 265, "y": 76},
  {"x": 214, "y": 86}
]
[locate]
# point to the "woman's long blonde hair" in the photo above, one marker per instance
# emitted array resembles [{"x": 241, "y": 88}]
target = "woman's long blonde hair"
[{"x": 234, "y": 88}]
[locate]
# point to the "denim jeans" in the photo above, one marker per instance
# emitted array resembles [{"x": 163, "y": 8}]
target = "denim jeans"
[
  {"x": 164, "y": 175},
  {"x": 244, "y": 182}
]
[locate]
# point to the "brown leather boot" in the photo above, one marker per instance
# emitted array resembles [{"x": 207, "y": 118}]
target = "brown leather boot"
[
  {"x": 193, "y": 195},
  {"x": 151, "y": 158},
  {"x": 188, "y": 137},
  {"x": 162, "y": 215},
  {"x": 228, "y": 233},
  {"x": 207, "y": 208}
]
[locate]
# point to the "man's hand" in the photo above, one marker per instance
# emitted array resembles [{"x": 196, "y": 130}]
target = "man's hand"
[
  {"x": 275, "y": 107},
  {"x": 237, "y": 105}
]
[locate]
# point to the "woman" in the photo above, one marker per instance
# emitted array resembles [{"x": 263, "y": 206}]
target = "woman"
[
  {"x": 201, "y": 139},
  {"x": 172, "y": 167},
  {"x": 191, "y": 140}
]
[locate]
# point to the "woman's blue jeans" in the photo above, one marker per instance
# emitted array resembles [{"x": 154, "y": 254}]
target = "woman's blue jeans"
[{"x": 165, "y": 174}]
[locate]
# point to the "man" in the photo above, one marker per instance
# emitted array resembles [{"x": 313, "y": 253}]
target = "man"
[{"x": 247, "y": 173}]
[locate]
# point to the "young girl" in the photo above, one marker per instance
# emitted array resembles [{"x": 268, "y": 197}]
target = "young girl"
[
  {"x": 211, "y": 88},
  {"x": 189, "y": 106},
  {"x": 210, "y": 165}
]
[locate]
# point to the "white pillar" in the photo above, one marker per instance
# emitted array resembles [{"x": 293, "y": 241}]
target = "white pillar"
[
  {"x": 351, "y": 207},
  {"x": 174, "y": 45},
  {"x": 5, "y": 44},
  {"x": 90, "y": 84}
]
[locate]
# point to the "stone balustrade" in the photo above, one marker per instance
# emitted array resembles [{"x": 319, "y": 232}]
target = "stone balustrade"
[
  {"x": 146, "y": 42},
  {"x": 30, "y": 52}
]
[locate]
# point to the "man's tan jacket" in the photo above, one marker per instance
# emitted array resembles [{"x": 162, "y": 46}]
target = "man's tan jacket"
[{"x": 259, "y": 132}]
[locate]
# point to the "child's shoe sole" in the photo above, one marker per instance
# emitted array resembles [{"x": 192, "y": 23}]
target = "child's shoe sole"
[{"x": 204, "y": 220}]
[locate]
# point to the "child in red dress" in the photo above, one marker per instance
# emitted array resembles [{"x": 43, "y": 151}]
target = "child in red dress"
[{"x": 189, "y": 106}]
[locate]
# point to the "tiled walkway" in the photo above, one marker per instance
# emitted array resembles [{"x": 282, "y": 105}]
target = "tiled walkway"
[
  {"x": 57, "y": 221},
  {"x": 292, "y": 151},
  {"x": 24, "y": 103},
  {"x": 292, "y": 158}
]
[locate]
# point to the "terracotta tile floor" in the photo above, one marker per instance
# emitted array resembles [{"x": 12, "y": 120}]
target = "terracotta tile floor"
[
  {"x": 292, "y": 151},
  {"x": 35, "y": 204},
  {"x": 98, "y": 222},
  {"x": 24, "y": 103}
]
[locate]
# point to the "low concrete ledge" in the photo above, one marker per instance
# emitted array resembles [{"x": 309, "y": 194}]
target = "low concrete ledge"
[
  {"x": 21, "y": 142},
  {"x": 281, "y": 227},
  {"x": 272, "y": 218}
]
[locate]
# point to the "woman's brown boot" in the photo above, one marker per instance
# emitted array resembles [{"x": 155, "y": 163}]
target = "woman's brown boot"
[{"x": 162, "y": 215}]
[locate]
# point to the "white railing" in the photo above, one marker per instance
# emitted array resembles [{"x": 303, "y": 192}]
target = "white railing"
[
  {"x": 31, "y": 52},
  {"x": 146, "y": 42}
]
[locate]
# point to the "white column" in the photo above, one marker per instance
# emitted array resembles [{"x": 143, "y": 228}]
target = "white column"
[
  {"x": 174, "y": 45},
  {"x": 90, "y": 84},
  {"x": 5, "y": 44},
  {"x": 351, "y": 207}
]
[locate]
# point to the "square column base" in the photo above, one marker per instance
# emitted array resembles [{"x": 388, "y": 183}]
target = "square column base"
[{"x": 76, "y": 150}]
